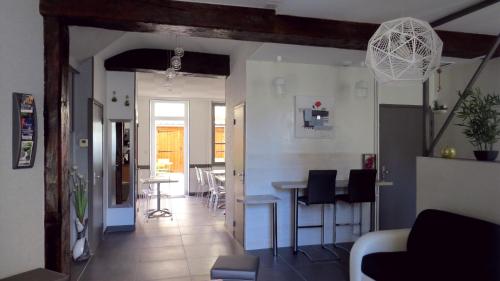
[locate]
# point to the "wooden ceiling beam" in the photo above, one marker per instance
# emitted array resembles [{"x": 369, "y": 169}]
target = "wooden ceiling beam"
[
  {"x": 157, "y": 59},
  {"x": 239, "y": 23}
]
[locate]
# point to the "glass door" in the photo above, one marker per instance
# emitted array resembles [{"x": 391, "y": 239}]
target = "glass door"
[{"x": 168, "y": 144}]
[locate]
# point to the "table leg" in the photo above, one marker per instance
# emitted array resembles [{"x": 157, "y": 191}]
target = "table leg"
[
  {"x": 158, "y": 205},
  {"x": 295, "y": 194},
  {"x": 275, "y": 229},
  {"x": 377, "y": 207}
]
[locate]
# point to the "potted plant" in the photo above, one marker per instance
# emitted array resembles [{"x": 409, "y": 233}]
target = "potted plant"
[
  {"x": 480, "y": 120},
  {"x": 80, "y": 200}
]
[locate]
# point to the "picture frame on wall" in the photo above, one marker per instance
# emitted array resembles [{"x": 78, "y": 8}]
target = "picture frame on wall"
[{"x": 369, "y": 161}]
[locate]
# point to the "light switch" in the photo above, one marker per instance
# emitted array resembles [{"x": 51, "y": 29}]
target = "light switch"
[{"x": 84, "y": 143}]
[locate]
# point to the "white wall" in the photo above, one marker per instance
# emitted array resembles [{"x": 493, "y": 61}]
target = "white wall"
[
  {"x": 79, "y": 155},
  {"x": 235, "y": 95},
  {"x": 22, "y": 191},
  {"x": 123, "y": 83},
  {"x": 454, "y": 79},
  {"x": 466, "y": 187},
  {"x": 274, "y": 154},
  {"x": 401, "y": 93}
]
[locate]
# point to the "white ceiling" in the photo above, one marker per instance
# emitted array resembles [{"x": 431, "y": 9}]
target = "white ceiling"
[
  {"x": 485, "y": 21},
  {"x": 309, "y": 55},
  {"x": 318, "y": 55},
  {"x": 185, "y": 87},
  {"x": 84, "y": 42}
]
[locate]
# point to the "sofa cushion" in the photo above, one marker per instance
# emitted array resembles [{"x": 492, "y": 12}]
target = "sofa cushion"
[
  {"x": 394, "y": 266},
  {"x": 462, "y": 246}
]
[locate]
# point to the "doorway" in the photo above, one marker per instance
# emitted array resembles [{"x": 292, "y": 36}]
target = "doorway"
[
  {"x": 96, "y": 172},
  {"x": 401, "y": 141},
  {"x": 239, "y": 171},
  {"x": 170, "y": 149},
  {"x": 169, "y": 140}
]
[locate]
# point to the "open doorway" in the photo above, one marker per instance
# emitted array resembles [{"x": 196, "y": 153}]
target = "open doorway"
[{"x": 169, "y": 142}]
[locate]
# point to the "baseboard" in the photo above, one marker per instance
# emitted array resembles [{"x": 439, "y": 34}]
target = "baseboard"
[{"x": 120, "y": 228}]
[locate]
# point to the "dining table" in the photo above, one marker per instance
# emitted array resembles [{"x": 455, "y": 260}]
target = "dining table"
[
  {"x": 218, "y": 172},
  {"x": 340, "y": 186},
  {"x": 159, "y": 212}
]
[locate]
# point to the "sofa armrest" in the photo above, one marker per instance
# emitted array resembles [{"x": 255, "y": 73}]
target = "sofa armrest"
[{"x": 373, "y": 242}]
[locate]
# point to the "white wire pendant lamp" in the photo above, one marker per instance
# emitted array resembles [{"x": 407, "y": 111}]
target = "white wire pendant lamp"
[{"x": 404, "y": 49}]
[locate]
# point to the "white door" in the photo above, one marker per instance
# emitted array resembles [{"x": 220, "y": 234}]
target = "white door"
[{"x": 239, "y": 170}]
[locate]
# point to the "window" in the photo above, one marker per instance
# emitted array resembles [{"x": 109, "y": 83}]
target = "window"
[
  {"x": 169, "y": 109},
  {"x": 219, "y": 133}
]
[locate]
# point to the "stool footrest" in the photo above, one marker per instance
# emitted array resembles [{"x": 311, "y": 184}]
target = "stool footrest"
[{"x": 310, "y": 226}]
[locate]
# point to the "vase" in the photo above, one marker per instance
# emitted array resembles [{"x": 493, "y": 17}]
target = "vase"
[
  {"x": 486, "y": 155},
  {"x": 81, "y": 250}
]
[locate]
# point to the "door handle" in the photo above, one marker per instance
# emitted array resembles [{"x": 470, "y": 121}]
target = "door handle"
[
  {"x": 96, "y": 177},
  {"x": 385, "y": 172}
]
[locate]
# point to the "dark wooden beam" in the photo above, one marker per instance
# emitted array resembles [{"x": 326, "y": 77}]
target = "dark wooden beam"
[
  {"x": 461, "y": 13},
  {"x": 56, "y": 160},
  {"x": 240, "y": 23},
  {"x": 156, "y": 59}
]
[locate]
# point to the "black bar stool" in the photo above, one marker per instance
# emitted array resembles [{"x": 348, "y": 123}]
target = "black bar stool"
[
  {"x": 320, "y": 191},
  {"x": 360, "y": 189}
]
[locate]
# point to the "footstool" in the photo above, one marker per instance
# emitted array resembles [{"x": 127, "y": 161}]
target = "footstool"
[
  {"x": 240, "y": 267},
  {"x": 39, "y": 274}
]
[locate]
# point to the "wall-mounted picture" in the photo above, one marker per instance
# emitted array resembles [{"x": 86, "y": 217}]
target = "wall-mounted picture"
[
  {"x": 27, "y": 104},
  {"x": 313, "y": 117},
  {"x": 369, "y": 161},
  {"x": 25, "y": 155}
]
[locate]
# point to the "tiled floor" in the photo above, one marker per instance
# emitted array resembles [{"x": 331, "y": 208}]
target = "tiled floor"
[{"x": 185, "y": 249}]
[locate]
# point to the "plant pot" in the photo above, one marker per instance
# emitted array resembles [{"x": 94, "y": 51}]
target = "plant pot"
[
  {"x": 486, "y": 155},
  {"x": 81, "y": 250}
]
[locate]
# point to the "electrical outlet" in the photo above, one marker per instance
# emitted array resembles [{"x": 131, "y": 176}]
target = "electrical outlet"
[{"x": 84, "y": 143}]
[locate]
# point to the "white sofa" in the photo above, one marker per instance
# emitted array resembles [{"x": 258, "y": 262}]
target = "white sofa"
[{"x": 373, "y": 242}]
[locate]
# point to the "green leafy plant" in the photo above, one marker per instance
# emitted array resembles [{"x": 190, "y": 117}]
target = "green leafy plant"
[
  {"x": 80, "y": 198},
  {"x": 480, "y": 119}
]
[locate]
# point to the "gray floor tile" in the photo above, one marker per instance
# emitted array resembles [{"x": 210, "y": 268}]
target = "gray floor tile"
[
  {"x": 201, "y": 266},
  {"x": 161, "y": 253},
  {"x": 184, "y": 249},
  {"x": 162, "y": 270}
]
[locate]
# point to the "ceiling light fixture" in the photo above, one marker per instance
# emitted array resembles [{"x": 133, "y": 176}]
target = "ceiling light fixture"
[
  {"x": 170, "y": 73},
  {"x": 175, "y": 63},
  {"x": 404, "y": 49}
]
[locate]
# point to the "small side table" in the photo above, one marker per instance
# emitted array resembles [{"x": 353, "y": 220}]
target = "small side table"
[{"x": 265, "y": 199}]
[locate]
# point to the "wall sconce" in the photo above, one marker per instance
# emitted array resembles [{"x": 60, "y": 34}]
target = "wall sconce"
[
  {"x": 127, "y": 102},
  {"x": 114, "y": 99},
  {"x": 279, "y": 86},
  {"x": 361, "y": 88}
]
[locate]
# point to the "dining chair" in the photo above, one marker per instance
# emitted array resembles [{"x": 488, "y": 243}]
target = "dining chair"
[
  {"x": 360, "y": 189},
  {"x": 219, "y": 193},
  {"x": 320, "y": 191},
  {"x": 200, "y": 182},
  {"x": 211, "y": 188}
]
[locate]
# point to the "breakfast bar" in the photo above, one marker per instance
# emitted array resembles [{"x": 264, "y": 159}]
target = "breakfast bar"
[{"x": 341, "y": 187}]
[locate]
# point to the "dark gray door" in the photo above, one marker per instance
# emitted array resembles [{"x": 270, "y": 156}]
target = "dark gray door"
[
  {"x": 96, "y": 133},
  {"x": 401, "y": 141}
]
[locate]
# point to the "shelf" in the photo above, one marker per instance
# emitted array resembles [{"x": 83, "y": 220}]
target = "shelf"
[{"x": 440, "y": 111}]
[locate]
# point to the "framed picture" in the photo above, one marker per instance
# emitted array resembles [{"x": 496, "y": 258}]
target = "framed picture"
[
  {"x": 369, "y": 161},
  {"x": 313, "y": 117}
]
